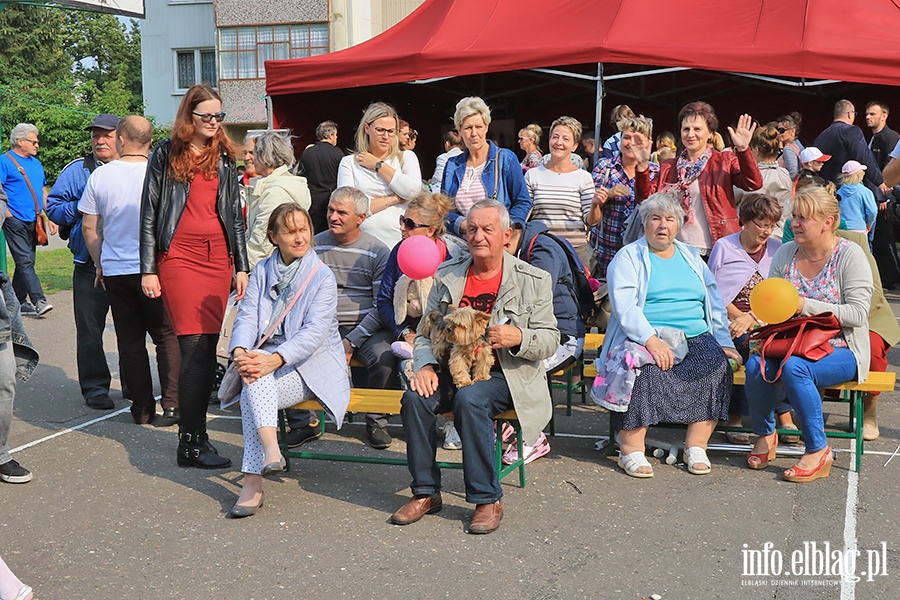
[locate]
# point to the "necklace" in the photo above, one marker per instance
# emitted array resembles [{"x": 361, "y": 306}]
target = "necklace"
[
  {"x": 124, "y": 155},
  {"x": 817, "y": 260}
]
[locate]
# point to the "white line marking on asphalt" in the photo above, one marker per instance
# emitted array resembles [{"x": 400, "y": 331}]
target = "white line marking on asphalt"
[
  {"x": 70, "y": 429},
  {"x": 893, "y": 454},
  {"x": 848, "y": 586}
]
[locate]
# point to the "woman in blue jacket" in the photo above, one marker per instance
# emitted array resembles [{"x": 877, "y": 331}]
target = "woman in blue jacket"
[
  {"x": 303, "y": 357},
  {"x": 659, "y": 282},
  {"x": 483, "y": 170}
]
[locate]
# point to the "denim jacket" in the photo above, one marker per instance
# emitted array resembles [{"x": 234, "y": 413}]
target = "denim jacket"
[
  {"x": 11, "y": 329},
  {"x": 513, "y": 192}
]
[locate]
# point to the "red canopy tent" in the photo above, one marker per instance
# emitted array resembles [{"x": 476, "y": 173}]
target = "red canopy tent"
[
  {"x": 834, "y": 40},
  {"x": 817, "y": 39}
]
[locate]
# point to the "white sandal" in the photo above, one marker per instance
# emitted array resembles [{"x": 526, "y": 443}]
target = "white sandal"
[
  {"x": 694, "y": 457},
  {"x": 630, "y": 463}
]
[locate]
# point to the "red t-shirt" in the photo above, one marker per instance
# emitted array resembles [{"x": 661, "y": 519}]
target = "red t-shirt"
[{"x": 481, "y": 294}]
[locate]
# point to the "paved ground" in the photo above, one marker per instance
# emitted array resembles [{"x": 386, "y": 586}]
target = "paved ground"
[{"x": 110, "y": 516}]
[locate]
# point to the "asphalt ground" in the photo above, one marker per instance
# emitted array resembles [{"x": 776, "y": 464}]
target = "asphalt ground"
[{"x": 109, "y": 515}]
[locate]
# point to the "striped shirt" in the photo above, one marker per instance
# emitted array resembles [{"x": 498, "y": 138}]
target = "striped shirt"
[
  {"x": 357, "y": 267},
  {"x": 562, "y": 202},
  {"x": 471, "y": 190}
]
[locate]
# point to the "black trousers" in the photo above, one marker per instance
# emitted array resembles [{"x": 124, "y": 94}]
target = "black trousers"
[{"x": 135, "y": 315}]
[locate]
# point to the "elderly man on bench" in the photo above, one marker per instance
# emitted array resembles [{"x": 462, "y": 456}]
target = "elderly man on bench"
[{"x": 522, "y": 332}]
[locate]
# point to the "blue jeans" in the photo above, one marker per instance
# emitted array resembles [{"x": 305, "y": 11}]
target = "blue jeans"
[
  {"x": 738, "y": 405},
  {"x": 473, "y": 408},
  {"x": 20, "y": 238},
  {"x": 801, "y": 379}
]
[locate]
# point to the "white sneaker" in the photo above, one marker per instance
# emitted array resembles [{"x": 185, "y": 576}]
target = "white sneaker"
[{"x": 451, "y": 437}]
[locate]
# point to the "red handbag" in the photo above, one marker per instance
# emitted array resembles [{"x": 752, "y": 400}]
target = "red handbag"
[{"x": 806, "y": 337}]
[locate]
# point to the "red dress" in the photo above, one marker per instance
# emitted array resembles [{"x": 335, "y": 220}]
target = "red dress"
[{"x": 195, "y": 274}]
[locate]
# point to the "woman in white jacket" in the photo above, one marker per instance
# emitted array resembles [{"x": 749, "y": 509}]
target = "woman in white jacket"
[
  {"x": 385, "y": 174},
  {"x": 273, "y": 158}
]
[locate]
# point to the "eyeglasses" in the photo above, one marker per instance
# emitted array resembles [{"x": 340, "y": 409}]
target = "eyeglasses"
[
  {"x": 35, "y": 142},
  {"x": 207, "y": 117},
  {"x": 770, "y": 227},
  {"x": 409, "y": 224},
  {"x": 381, "y": 131}
]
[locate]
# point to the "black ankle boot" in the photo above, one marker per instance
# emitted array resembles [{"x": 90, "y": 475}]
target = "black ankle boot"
[{"x": 193, "y": 452}]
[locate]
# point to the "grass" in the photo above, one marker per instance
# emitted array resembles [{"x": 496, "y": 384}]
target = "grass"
[{"x": 53, "y": 268}]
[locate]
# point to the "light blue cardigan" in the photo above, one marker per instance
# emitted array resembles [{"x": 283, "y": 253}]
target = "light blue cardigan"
[
  {"x": 629, "y": 276},
  {"x": 313, "y": 345}
]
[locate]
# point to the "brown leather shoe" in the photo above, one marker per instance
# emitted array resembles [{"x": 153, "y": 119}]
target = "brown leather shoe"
[
  {"x": 487, "y": 518},
  {"x": 417, "y": 507}
]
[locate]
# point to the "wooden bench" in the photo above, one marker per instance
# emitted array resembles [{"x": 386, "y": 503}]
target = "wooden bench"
[
  {"x": 852, "y": 393},
  {"x": 363, "y": 400}
]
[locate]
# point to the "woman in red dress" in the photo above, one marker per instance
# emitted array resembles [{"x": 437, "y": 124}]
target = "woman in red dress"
[{"x": 192, "y": 248}]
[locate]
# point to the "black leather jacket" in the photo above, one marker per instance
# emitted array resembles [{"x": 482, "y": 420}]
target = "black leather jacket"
[{"x": 163, "y": 201}]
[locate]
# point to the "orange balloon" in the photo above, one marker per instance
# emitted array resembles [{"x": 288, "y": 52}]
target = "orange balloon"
[{"x": 774, "y": 300}]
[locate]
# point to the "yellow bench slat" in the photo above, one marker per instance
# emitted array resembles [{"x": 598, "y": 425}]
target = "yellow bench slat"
[{"x": 365, "y": 400}]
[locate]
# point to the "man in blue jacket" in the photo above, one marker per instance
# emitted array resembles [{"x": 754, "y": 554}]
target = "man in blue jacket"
[{"x": 91, "y": 303}]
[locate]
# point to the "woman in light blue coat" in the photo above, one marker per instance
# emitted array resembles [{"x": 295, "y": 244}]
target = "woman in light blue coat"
[
  {"x": 659, "y": 282},
  {"x": 302, "y": 358}
]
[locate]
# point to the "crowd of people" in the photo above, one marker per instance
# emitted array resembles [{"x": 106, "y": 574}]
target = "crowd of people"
[{"x": 679, "y": 233}]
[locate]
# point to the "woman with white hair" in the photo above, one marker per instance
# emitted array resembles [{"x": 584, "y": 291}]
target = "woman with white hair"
[
  {"x": 658, "y": 282},
  {"x": 387, "y": 175},
  {"x": 273, "y": 158},
  {"x": 483, "y": 171}
]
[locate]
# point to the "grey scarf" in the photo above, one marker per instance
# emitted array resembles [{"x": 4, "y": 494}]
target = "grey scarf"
[{"x": 282, "y": 288}]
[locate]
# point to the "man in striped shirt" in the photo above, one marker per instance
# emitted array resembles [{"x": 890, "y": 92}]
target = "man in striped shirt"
[{"x": 357, "y": 260}]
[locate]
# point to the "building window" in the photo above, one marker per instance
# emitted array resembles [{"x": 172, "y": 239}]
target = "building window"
[
  {"x": 195, "y": 66},
  {"x": 244, "y": 50}
]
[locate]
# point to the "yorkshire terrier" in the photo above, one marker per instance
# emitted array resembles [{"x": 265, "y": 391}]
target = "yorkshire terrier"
[{"x": 462, "y": 331}]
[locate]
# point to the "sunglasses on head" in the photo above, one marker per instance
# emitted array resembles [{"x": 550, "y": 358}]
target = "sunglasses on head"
[
  {"x": 207, "y": 117},
  {"x": 409, "y": 224}
]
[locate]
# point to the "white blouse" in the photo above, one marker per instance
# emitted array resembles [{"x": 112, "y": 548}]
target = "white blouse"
[{"x": 406, "y": 183}]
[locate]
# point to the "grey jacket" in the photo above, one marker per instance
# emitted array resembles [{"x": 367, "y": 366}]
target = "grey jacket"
[
  {"x": 854, "y": 282},
  {"x": 525, "y": 298}
]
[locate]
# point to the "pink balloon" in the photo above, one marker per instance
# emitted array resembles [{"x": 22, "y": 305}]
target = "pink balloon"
[{"x": 418, "y": 257}]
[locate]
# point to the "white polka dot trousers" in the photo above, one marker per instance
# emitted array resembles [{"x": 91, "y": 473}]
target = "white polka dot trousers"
[{"x": 260, "y": 402}]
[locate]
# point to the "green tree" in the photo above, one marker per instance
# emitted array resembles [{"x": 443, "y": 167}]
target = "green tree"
[
  {"x": 31, "y": 44},
  {"x": 103, "y": 50},
  {"x": 58, "y": 69}
]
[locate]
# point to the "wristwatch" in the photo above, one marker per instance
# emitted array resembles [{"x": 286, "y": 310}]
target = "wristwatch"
[
  {"x": 406, "y": 331},
  {"x": 378, "y": 165}
]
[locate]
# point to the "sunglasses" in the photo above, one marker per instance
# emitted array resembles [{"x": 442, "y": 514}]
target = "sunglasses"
[
  {"x": 781, "y": 130},
  {"x": 207, "y": 117},
  {"x": 409, "y": 224}
]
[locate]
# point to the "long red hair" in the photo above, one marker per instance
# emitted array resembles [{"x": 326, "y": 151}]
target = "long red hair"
[{"x": 183, "y": 162}]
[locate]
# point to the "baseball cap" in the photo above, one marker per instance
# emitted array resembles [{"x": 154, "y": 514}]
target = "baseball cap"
[
  {"x": 852, "y": 166},
  {"x": 812, "y": 153},
  {"x": 104, "y": 121}
]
